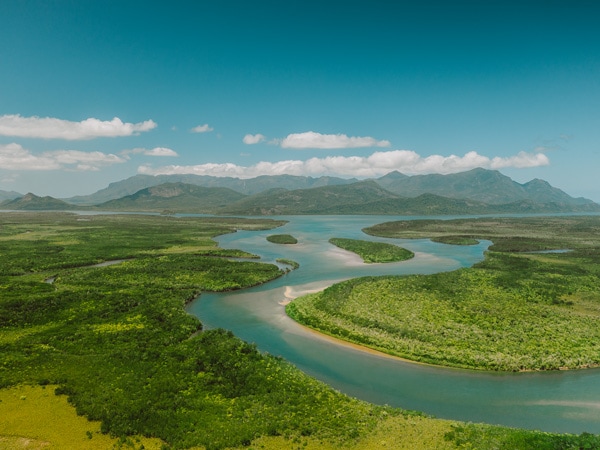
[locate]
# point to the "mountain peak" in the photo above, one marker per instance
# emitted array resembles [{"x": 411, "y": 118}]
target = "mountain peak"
[
  {"x": 394, "y": 175},
  {"x": 537, "y": 182},
  {"x": 32, "y": 202}
]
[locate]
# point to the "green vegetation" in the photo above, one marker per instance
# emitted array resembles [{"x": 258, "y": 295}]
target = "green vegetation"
[
  {"x": 289, "y": 262},
  {"x": 373, "y": 252},
  {"x": 473, "y": 436},
  {"x": 175, "y": 197},
  {"x": 36, "y": 419},
  {"x": 118, "y": 343},
  {"x": 514, "y": 311},
  {"x": 282, "y": 239},
  {"x": 455, "y": 240},
  {"x": 526, "y": 234}
]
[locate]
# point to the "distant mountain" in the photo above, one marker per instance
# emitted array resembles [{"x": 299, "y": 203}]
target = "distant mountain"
[
  {"x": 389, "y": 180},
  {"x": 319, "y": 200},
  {"x": 363, "y": 197},
  {"x": 31, "y": 202},
  {"x": 481, "y": 185},
  {"x": 541, "y": 191},
  {"x": 488, "y": 186},
  {"x": 423, "y": 205},
  {"x": 9, "y": 195},
  {"x": 175, "y": 197},
  {"x": 368, "y": 198},
  {"x": 477, "y": 191},
  {"x": 250, "y": 186}
]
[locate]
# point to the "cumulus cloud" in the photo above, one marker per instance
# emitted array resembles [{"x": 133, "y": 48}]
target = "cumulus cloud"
[
  {"x": 251, "y": 139},
  {"x": 311, "y": 139},
  {"x": 51, "y": 128},
  {"x": 520, "y": 161},
  {"x": 202, "y": 129},
  {"x": 160, "y": 151},
  {"x": 375, "y": 165},
  {"x": 15, "y": 157},
  {"x": 156, "y": 151}
]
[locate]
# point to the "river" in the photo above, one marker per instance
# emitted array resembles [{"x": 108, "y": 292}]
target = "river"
[{"x": 561, "y": 401}]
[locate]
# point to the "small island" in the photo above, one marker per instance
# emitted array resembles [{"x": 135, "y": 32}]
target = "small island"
[
  {"x": 282, "y": 239},
  {"x": 373, "y": 252},
  {"x": 288, "y": 262}
]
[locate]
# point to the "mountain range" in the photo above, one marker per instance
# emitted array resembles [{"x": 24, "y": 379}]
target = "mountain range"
[{"x": 478, "y": 191}]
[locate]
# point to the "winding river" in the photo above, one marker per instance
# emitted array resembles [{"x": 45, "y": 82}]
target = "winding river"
[{"x": 566, "y": 401}]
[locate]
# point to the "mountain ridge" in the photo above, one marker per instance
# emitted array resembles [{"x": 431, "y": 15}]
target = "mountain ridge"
[
  {"x": 488, "y": 186},
  {"x": 32, "y": 202},
  {"x": 9, "y": 195},
  {"x": 478, "y": 191},
  {"x": 248, "y": 186}
]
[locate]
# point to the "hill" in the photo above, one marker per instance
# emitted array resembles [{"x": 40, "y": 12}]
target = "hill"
[
  {"x": 31, "y": 202},
  {"x": 250, "y": 186},
  {"x": 319, "y": 200},
  {"x": 175, "y": 197},
  {"x": 9, "y": 195},
  {"x": 487, "y": 186}
]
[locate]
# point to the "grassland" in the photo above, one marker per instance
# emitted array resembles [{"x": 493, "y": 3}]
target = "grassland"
[
  {"x": 131, "y": 368},
  {"x": 517, "y": 310},
  {"x": 373, "y": 252},
  {"x": 34, "y": 418}
]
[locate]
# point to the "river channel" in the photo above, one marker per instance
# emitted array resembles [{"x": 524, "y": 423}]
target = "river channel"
[{"x": 561, "y": 401}]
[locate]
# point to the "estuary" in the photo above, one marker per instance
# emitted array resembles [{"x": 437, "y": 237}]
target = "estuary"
[{"x": 559, "y": 401}]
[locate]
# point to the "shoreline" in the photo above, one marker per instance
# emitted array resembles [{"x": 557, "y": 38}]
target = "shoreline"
[
  {"x": 363, "y": 348},
  {"x": 289, "y": 297}
]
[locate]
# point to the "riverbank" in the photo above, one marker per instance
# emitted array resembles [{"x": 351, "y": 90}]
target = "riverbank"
[
  {"x": 290, "y": 294},
  {"x": 515, "y": 311}
]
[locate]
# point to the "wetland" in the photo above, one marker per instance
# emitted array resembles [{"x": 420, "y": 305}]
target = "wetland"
[{"x": 116, "y": 340}]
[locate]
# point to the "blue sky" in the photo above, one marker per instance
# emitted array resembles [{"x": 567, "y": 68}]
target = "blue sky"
[{"x": 92, "y": 92}]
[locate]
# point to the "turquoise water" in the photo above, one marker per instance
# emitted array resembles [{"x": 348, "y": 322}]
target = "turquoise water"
[{"x": 554, "y": 401}]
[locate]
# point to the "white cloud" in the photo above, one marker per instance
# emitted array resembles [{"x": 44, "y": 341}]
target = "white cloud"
[
  {"x": 51, "y": 128},
  {"x": 311, "y": 139},
  {"x": 15, "y": 157},
  {"x": 520, "y": 161},
  {"x": 377, "y": 164},
  {"x": 251, "y": 139},
  {"x": 202, "y": 129},
  {"x": 160, "y": 151},
  {"x": 156, "y": 151}
]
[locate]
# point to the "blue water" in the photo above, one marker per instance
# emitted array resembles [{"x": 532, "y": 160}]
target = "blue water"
[{"x": 551, "y": 401}]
